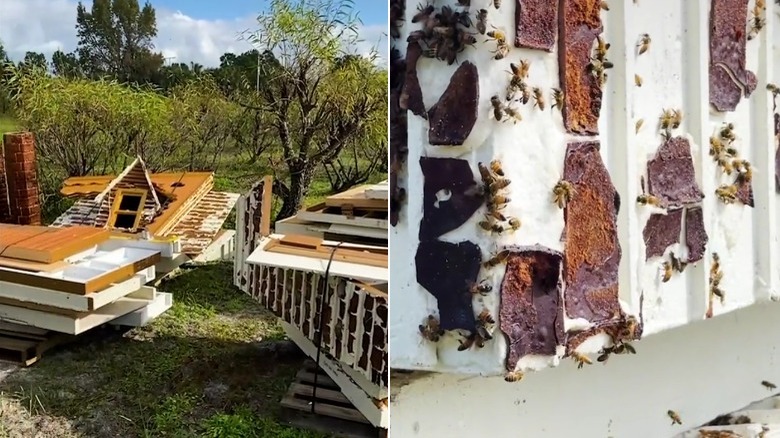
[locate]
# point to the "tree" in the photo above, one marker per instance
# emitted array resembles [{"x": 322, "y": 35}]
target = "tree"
[
  {"x": 66, "y": 65},
  {"x": 33, "y": 60},
  {"x": 115, "y": 39},
  {"x": 314, "y": 107}
]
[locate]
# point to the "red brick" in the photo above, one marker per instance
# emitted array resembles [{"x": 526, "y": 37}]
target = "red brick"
[{"x": 22, "y": 179}]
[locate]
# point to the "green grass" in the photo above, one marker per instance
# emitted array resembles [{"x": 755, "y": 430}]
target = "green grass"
[
  {"x": 206, "y": 368},
  {"x": 7, "y": 124}
]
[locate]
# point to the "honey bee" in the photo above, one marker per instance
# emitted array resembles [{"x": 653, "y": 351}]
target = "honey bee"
[
  {"x": 502, "y": 50},
  {"x": 482, "y": 21},
  {"x": 598, "y": 69},
  {"x": 497, "y": 3},
  {"x": 431, "y": 330},
  {"x": 644, "y": 43},
  {"x": 539, "y": 98},
  {"x": 467, "y": 342},
  {"x": 601, "y": 48},
  {"x": 716, "y": 147},
  {"x": 558, "y": 99},
  {"x": 484, "y": 318},
  {"x": 726, "y": 164},
  {"x": 497, "y": 35},
  {"x": 423, "y": 13},
  {"x": 715, "y": 263},
  {"x": 562, "y": 193},
  {"x": 498, "y": 184},
  {"x": 525, "y": 93},
  {"x": 604, "y": 5},
  {"x": 497, "y": 215},
  {"x": 774, "y": 89},
  {"x": 727, "y": 193},
  {"x": 481, "y": 288},
  {"x": 715, "y": 278},
  {"x": 520, "y": 72},
  {"x": 727, "y": 132},
  {"x": 718, "y": 292},
  {"x": 604, "y": 354},
  {"x": 638, "y": 125},
  {"x": 485, "y": 173},
  {"x": 498, "y": 107},
  {"x": 496, "y": 260},
  {"x": 514, "y": 113},
  {"x": 645, "y": 199},
  {"x": 746, "y": 174},
  {"x": 514, "y": 223},
  {"x": 769, "y": 385},
  {"x": 628, "y": 348},
  {"x": 756, "y": 24},
  {"x": 497, "y": 201},
  {"x": 674, "y": 416},
  {"x": 667, "y": 120},
  {"x": 581, "y": 359},
  {"x": 677, "y": 117},
  {"x": 667, "y": 271},
  {"x": 513, "y": 376},
  {"x": 495, "y": 167},
  {"x": 677, "y": 264},
  {"x": 638, "y": 80}
]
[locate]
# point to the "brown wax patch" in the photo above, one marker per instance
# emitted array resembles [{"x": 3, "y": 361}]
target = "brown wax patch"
[
  {"x": 411, "y": 94},
  {"x": 745, "y": 192},
  {"x": 450, "y": 175},
  {"x": 580, "y": 23},
  {"x": 531, "y": 313},
  {"x": 728, "y": 74},
  {"x": 536, "y": 24},
  {"x": 592, "y": 251},
  {"x": 671, "y": 176},
  {"x": 446, "y": 270},
  {"x": 695, "y": 234},
  {"x": 661, "y": 231},
  {"x": 452, "y": 118}
]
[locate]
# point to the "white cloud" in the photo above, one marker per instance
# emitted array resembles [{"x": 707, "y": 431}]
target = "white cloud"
[{"x": 48, "y": 25}]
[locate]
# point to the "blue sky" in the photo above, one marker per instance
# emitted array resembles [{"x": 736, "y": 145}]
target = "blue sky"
[{"x": 187, "y": 30}]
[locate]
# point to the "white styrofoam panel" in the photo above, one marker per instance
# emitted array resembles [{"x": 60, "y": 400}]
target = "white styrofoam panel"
[
  {"x": 161, "y": 302},
  {"x": 675, "y": 75}
]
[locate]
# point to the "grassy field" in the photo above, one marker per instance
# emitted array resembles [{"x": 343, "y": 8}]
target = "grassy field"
[{"x": 215, "y": 365}]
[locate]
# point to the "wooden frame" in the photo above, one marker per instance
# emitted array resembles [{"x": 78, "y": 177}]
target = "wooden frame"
[
  {"x": 314, "y": 247},
  {"x": 115, "y": 211}
]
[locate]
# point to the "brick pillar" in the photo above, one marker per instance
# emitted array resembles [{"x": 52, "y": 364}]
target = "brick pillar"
[
  {"x": 4, "y": 208},
  {"x": 22, "y": 178}
]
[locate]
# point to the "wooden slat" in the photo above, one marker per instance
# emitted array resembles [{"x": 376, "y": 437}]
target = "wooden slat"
[
  {"x": 356, "y": 198},
  {"x": 343, "y": 255},
  {"x": 32, "y": 266},
  {"x": 45, "y": 244}
]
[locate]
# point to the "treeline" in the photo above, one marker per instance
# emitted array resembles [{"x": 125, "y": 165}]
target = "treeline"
[{"x": 318, "y": 110}]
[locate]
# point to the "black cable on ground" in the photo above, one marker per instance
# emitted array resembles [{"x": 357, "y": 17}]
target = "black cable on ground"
[{"x": 321, "y": 306}]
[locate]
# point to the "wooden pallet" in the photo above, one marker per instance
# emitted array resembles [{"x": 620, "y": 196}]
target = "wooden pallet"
[
  {"x": 333, "y": 413},
  {"x": 25, "y": 345}
]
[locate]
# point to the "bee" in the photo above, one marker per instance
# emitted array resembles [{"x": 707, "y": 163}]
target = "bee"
[
  {"x": 677, "y": 264},
  {"x": 601, "y": 49},
  {"x": 486, "y": 225},
  {"x": 667, "y": 119},
  {"x": 628, "y": 347},
  {"x": 502, "y": 50},
  {"x": 715, "y": 278},
  {"x": 484, "y": 318},
  {"x": 513, "y": 376},
  {"x": 431, "y": 330},
  {"x": 558, "y": 99},
  {"x": 715, "y": 263},
  {"x": 638, "y": 80},
  {"x": 498, "y": 184},
  {"x": 514, "y": 113},
  {"x": 467, "y": 342},
  {"x": 646, "y": 199},
  {"x": 674, "y": 416},
  {"x": 581, "y": 359},
  {"x": 497, "y": 215},
  {"x": 498, "y": 107},
  {"x": 644, "y": 43},
  {"x": 520, "y": 72},
  {"x": 747, "y": 172},
  {"x": 667, "y": 270},
  {"x": 716, "y": 147},
  {"x": 604, "y": 354},
  {"x": 756, "y": 24},
  {"x": 498, "y": 201},
  {"x": 604, "y": 5},
  {"x": 514, "y": 223},
  {"x": 498, "y": 35},
  {"x": 495, "y": 167},
  {"x": 727, "y": 193},
  {"x": 497, "y": 3},
  {"x": 485, "y": 172},
  {"x": 726, "y": 164},
  {"x": 638, "y": 125},
  {"x": 562, "y": 193},
  {"x": 769, "y": 385},
  {"x": 482, "y": 21},
  {"x": 718, "y": 292},
  {"x": 677, "y": 117},
  {"x": 539, "y": 98},
  {"x": 727, "y": 132},
  {"x": 481, "y": 288},
  {"x": 774, "y": 89},
  {"x": 525, "y": 93},
  {"x": 423, "y": 13},
  {"x": 496, "y": 260}
]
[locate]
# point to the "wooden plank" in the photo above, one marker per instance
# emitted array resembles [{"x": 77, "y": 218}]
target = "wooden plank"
[
  {"x": 303, "y": 390},
  {"x": 345, "y": 256},
  {"x": 323, "y": 380},
  {"x": 32, "y": 266},
  {"x": 265, "y": 206},
  {"x": 50, "y": 244},
  {"x": 322, "y": 214},
  {"x": 300, "y": 241},
  {"x": 356, "y": 198},
  {"x": 349, "y": 414}
]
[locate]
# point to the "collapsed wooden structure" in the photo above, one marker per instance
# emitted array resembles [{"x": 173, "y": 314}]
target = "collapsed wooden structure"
[{"x": 331, "y": 295}]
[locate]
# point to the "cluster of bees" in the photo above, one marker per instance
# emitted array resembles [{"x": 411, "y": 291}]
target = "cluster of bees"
[
  {"x": 674, "y": 264},
  {"x": 620, "y": 345},
  {"x": 494, "y": 185},
  {"x": 443, "y": 34},
  {"x": 519, "y": 91},
  {"x": 599, "y": 63},
  {"x": 562, "y": 193},
  {"x": 716, "y": 275},
  {"x": 724, "y": 153},
  {"x": 756, "y": 22},
  {"x": 670, "y": 120}
]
